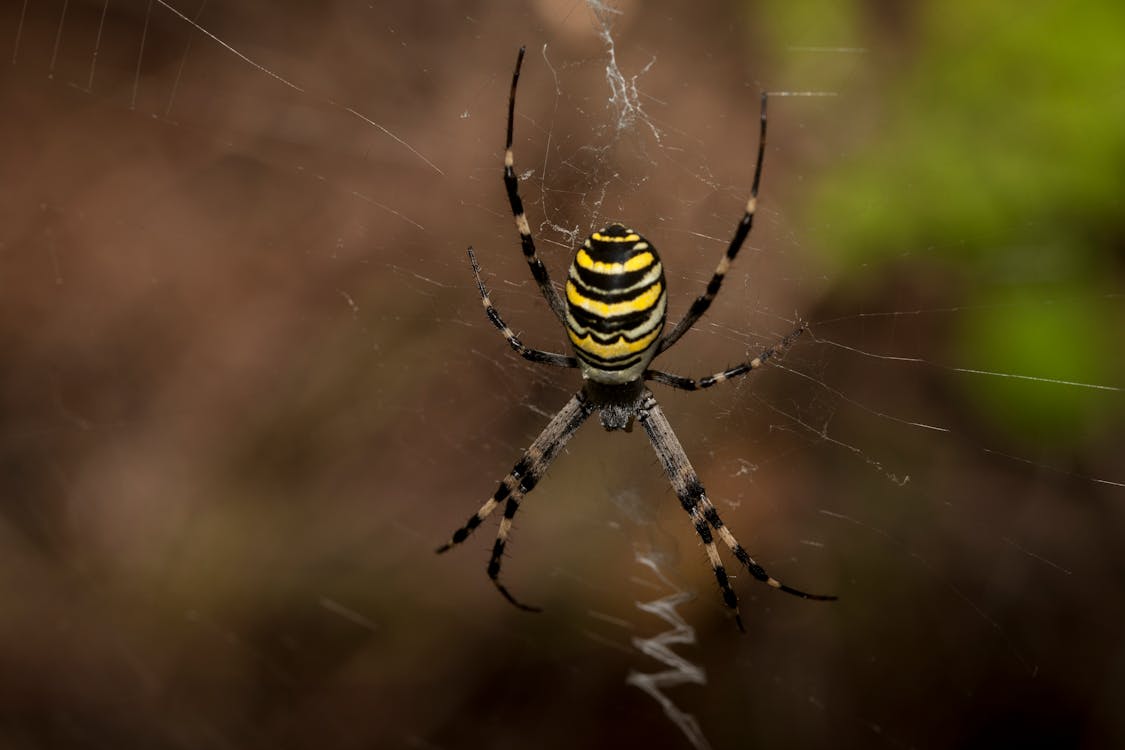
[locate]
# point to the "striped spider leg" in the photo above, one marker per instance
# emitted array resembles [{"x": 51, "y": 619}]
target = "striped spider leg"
[
  {"x": 704, "y": 515},
  {"x": 741, "y": 232},
  {"x": 512, "y": 186},
  {"x": 692, "y": 384},
  {"x": 521, "y": 480}
]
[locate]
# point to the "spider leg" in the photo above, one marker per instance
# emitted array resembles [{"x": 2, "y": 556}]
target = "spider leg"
[
  {"x": 511, "y": 184},
  {"x": 691, "y": 384},
  {"x": 521, "y": 480},
  {"x": 686, "y": 484},
  {"x": 703, "y": 301},
  {"x": 703, "y": 513},
  {"x": 531, "y": 355}
]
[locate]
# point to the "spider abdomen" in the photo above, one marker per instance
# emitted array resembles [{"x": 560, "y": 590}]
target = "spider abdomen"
[{"x": 615, "y": 305}]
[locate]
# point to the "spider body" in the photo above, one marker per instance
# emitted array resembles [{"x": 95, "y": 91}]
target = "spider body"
[
  {"x": 616, "y": 303},
  {"x": 614, "y": 314}
]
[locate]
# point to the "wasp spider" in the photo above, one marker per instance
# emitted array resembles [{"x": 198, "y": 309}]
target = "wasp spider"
[{"x": 614, "y": 314}]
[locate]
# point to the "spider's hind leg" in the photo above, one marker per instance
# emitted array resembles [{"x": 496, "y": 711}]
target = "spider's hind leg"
[
  {"x": 693, "y": 384},
  {"x": 741, "y": 232},
  {"x": 531, "y": 355},
  {"x": 512, "y": 187}
]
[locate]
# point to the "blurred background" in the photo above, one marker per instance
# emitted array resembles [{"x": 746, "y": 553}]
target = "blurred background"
[{"x": 247, "y": 387}]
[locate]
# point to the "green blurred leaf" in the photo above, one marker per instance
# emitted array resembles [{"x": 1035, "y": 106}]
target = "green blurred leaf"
[{"x": 995, "y": 157}]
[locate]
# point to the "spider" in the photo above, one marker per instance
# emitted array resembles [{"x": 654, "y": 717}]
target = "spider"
[{"x": 614, "y": 315}]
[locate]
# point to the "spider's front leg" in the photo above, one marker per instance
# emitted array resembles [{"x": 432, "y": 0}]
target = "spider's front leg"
[
  {"x": 703, "y": 513},
  {"x": 521, "y": 480}
]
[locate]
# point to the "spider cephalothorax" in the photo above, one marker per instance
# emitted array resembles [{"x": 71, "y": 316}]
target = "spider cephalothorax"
[{"x": 614, "y": 314}]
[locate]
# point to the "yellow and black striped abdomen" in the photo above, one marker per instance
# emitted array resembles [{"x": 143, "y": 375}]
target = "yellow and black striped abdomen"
[{"x": 615, "y": 304}]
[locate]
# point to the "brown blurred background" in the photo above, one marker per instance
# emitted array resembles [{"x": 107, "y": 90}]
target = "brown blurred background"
[{"x": 246, "y": 387}]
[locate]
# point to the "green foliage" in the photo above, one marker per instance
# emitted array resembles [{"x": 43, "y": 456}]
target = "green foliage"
[
  {"x": 1029, "y": 332},
  {"x": 995, "y": 155},
  {"x": 792, "y": 29}
]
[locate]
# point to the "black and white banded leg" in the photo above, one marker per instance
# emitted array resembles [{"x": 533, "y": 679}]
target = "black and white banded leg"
[
  {"x": 703, "y": 301},
  {"x": 531, "y": 355},
  {"x": 703, "y": 513},
  {"x": 511, "y": 183},
  {"x": 521, "y": 480},
  {"x": 692, "y": 384}
]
